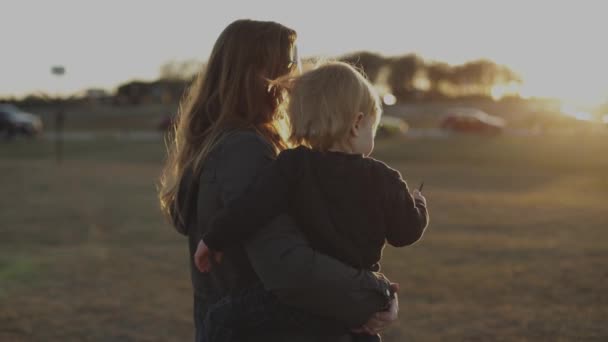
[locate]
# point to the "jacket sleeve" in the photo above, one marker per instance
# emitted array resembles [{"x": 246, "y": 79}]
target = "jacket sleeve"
[
  {"x": 406, "y": 218},
  {"x": 281, "y": 257},
  {"x": 309, "y": 280}
]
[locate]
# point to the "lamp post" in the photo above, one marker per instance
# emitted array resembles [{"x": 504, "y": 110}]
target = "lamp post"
[{"x": 58, "y": 71}]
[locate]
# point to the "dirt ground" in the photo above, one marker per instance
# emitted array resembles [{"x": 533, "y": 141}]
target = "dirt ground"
[{"x": 516, "y": 249}]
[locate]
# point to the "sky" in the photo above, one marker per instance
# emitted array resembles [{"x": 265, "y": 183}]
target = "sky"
[{"x": 557, "y": 46}]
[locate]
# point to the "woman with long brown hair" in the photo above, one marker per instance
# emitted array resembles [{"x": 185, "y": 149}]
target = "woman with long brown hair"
[{"x": 226, "y": 132}]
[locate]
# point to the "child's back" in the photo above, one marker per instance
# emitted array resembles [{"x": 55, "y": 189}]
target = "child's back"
[{"x": 347, "y": 205}]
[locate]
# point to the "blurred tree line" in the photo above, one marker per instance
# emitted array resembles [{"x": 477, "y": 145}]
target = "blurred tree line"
[
  {"x": 169, "y": 88},
  {"x": 408, "y": 77},
  {"x": 411, "y": 77}
]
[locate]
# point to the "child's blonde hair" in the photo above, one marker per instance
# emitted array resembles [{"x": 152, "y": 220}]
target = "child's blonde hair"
[{"x": 325, "y": 102}]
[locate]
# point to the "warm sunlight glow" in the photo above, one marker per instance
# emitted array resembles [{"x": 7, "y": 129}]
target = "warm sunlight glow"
[
  {"x": 389, "y": 99},
  {"x": 382, "y": 88},
  {"x": 282, "y": 126},
  {"x": 497, "y": 92},
  {"x": 577, "y": 83},
  {"x": 422, "y": 83},
  {"x": 501, "y": 90},
  {"x": 574, "y": 112},
  {"x": 605, "y": 119}
]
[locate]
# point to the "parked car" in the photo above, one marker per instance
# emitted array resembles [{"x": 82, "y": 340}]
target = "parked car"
[
  {"x": 14, "y": 122},
  {"x": 391, "y": 126},
  {"x": 470, "y": 120}
]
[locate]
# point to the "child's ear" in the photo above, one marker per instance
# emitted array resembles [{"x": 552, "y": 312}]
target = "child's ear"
[{"x": 354, "y": 131}]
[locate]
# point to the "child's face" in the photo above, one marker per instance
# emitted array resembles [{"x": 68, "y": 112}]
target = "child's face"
[{"x": 363, "y": 133}]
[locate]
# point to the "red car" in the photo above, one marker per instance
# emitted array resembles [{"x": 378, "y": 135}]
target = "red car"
[{"x": 469, "y": 120}]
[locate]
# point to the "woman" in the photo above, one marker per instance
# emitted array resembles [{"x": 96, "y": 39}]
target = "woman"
[{"x": 226, "y": 132}]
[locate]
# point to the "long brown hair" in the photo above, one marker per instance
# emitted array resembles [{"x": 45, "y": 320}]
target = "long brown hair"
[{"x": 235, "y": 91}]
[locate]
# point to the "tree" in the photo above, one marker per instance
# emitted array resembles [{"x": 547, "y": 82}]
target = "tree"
[
  {"x": 437, "y": 73},
  {"x": 403, "y": 71},
  {"x": 180, "y": 70},
  {"x": 369, "y": 62},
  {"x": 480, "y": 76}
]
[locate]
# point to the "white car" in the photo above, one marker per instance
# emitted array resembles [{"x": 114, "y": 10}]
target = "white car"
[{"x": 14, "y": 121}]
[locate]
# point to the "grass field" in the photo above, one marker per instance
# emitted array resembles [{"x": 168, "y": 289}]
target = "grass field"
[{"x": 516, "y": 251}]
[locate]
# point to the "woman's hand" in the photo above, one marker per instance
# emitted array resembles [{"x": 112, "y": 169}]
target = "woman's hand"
[
  {"x": 202, "y": 257},
  {"x": 380, "y": 320}
]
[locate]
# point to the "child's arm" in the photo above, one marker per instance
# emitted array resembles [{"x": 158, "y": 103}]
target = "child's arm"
[
  {"x": 407, "y": 215},
  {"x": 242, "y": 218}
]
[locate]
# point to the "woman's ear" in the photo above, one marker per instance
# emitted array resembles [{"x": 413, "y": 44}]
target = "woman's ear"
[{"x": 356, "y": 127}]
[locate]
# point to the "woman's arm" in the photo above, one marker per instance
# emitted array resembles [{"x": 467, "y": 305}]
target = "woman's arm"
[
  {"x": 284, "y": 261},
  {"x": 309, "y": 280}
]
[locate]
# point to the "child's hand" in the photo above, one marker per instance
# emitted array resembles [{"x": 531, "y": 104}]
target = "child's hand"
[
  {"x": 202, "y": 257},
  {"x": 418, "y": 196}
]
